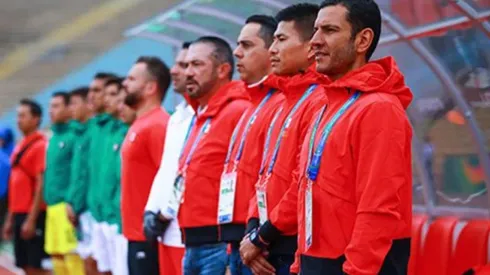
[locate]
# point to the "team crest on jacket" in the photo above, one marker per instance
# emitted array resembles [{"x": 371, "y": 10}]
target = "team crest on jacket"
[
  {"x": 115, "y": 147},
  {"x": 132, "y": 137},
  {"x": 61, "y": 145}
]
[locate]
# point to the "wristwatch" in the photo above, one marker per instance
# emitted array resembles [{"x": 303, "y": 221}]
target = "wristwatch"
[{"x": 255, "y": 238}]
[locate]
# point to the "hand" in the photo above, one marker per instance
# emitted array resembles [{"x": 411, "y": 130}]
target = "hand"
[
  {"x": 7, "y": 230},
  {"x": 28, "y": 230},
  {"x": 154, "y": 226},
  {"x": 71, "y": 215},
  {"x": 248, "y": 251},
  {"x": 260, "y": 266}
]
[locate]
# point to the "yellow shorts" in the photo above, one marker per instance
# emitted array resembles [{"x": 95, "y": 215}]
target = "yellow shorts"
[{"x": 60, "y": 235}]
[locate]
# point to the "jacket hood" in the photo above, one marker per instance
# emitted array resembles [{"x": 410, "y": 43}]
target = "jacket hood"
[
  {"x": 258, "y": 91},
  {"x": 296, "y": 85},
  {"x": 7, "y": 135},
  {"x": 380, "y": 76},
  {"x": 228, "y": 92}
]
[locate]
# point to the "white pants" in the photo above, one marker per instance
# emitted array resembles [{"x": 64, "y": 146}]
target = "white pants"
[
  {"x": 110, "y": 249},
  {"x": 84, "y": 248}
]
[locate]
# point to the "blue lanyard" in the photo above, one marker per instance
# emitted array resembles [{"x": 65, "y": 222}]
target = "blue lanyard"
[
  {"x": 203, "y": 130},
  {"x": 268, "y": 140},
  {"x": 247, "y": 129},
  {"x": 314, "y": 161},
  {"x": 189, "y": 129},
  {"x": 286, "y": 124}
]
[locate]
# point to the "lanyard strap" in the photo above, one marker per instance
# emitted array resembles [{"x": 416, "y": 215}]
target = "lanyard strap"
[
  {"x": 203, "y": 130},
  {"x": 250, "y": 122},
  {"x": 315, "y": 159},
  {"x": 189, "y": 129},
  {"x": 268, "y": 140},
  {"x": 286, "y": 125},
  {"x": 246, "y": 130}
]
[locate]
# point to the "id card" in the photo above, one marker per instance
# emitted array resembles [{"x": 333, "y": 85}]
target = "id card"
[
  {"x": 227, "y": 198},
  {"x": 172, "y": 209},
  {"x": 262, "y": 204},
  {"x": 308, "y": 215}
]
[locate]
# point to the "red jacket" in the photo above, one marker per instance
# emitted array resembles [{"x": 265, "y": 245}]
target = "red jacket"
[
  {"x": 199, "y": 209},
  {"x": 249, "y": 164},
  {"x": 287, "y": 157},
  {"x": 362, "y": 198}
]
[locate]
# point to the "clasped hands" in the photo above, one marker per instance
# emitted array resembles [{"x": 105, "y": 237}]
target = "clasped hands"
[{"x": 255, "y": 257}]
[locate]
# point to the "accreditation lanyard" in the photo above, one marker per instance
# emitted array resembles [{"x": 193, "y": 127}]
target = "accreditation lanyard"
[
  {"x": 285, "y": 126},
  {"x": 245, "y": 132},
  {"x": 204, "y": 129},
  {"x": 314, "y": 159}
]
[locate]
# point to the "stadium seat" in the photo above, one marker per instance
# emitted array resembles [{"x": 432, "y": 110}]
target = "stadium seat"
[
  {"x": 471, "y": 247},
  {"x": 437, "y": 248},
  {"x": 418, "y": 222}
]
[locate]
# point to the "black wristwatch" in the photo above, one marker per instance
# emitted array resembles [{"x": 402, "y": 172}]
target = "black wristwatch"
[{"x": 254, "y": 238}]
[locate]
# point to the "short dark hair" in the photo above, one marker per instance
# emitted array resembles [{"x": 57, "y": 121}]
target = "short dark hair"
[
  {"x": 80, "y": 91},
  {"x": 361, "y": 15},
  {"x": 105, "y": 75},
  {"x": 186, "y": 45},
  {"x": 34, "y": 107},
  {"x": 268, "y": 26},
  {"x": 303, "y": 15},
  {"x": 222, "y": 51},
  {"x": 64, "y": 95},
  {"x": 115, "y": 81},
  {"x": 159, "y": 71}
]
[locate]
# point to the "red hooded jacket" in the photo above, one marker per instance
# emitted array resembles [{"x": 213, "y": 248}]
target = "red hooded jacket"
[
  {"x": 362, "y": 198},
  {"x": 199, "y": 209},
  {"x": 249, "y": 164},
  {"x": 279, "y": 180}
]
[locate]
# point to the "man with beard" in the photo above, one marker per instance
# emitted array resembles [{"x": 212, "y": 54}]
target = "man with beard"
[
  {"x": 219, "y": 103},
  {"x": 291, "y": 58},
  {"x": 146, "y": 85},
  {"x": 26, "y": 217},
  {"x": 245, "y": 151},
  {"x": 355, "y": 201},
  {"x": 171, "y": 248}
]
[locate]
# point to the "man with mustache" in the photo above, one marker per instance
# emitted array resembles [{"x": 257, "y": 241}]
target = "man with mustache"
[
  {"x": 171, "y": 248},
  {"x": 146, "y": 85},
  {"x": 219, "y": 104},
  {"x": 355, "y": 201},
  {"x": 245, "y": 149},
  {"x": 291, "y": 58}
]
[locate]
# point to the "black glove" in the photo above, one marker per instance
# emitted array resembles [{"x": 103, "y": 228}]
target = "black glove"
[{"x": 153, "y": 226}]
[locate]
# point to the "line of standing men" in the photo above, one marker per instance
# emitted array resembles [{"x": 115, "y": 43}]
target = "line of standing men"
[
  {"x": 303, "y": 166},
  {"x": 243, "y": 164}
]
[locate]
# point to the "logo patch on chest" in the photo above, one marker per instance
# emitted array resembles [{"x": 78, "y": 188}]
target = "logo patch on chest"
[{"x": 132, "y": 137}]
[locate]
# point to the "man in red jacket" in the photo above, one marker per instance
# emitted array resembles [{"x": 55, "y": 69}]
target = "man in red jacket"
[
  {"x": 141, "y": 152},
  {"x": 355, "y": 201},
  {"x": 291, "y": 58},
  {"x": 219, "y": 104},
  {"x": 245, "y": 150}
]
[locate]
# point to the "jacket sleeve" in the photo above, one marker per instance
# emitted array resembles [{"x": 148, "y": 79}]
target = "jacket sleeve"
[
  {"x": 284, "y": 217},
  {"x": 154, "y": 199},
  {"x": 381, "y": 145},
  {"x": 253, "y": 215}
]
